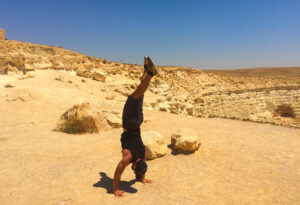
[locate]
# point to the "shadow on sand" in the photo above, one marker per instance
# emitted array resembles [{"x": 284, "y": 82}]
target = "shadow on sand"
[
  {"x": 107, "y": 183},
  {"x": 176, "y": 152}
]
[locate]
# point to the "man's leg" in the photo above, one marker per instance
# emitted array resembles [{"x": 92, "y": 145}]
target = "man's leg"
[{"x": 142, "y": 87}]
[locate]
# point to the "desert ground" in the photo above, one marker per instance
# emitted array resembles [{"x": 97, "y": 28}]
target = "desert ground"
[{"x": 238, "y": 162}]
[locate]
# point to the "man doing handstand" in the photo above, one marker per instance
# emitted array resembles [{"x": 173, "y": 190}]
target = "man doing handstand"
[{"x": 133, "y": 149}]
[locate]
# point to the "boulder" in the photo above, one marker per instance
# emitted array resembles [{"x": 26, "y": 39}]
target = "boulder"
[
  {"x": 81, "y": 118},
  {"x": 84, "y": 72},
  {"x": 155, "y": 144},
  {"x": 186, "y": 140},
  {"x": 99, "y": 77}
]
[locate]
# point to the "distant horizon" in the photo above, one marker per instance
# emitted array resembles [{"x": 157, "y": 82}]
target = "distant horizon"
[
  {"x": 214, "y": 35},
  {"x": 159, "y": 64}
]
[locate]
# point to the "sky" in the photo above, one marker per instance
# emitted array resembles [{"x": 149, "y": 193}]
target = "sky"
[{"x": 211, "y": 34}]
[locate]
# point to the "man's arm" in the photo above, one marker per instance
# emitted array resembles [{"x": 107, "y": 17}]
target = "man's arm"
[{"x": 119, "y": 170}]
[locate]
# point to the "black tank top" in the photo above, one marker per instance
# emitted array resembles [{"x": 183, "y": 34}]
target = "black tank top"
[{"x": 132, "y": 141}]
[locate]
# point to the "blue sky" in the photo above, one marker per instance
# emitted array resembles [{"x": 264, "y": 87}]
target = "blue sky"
[{"x": 224, "y": 34}]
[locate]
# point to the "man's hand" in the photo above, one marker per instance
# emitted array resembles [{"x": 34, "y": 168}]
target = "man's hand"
[
  {"x": 119, "y": 193},
  {"x": 119, "y": 170},
  {"x": 146, "y": 181}
]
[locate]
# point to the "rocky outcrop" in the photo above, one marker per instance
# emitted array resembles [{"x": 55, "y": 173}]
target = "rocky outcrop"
[
  {"x": 155, "y": 144},
  {"x": 186, "y": 140},
  {"x": 81, "y": 118},
  {"x": 12, "y": 64}
]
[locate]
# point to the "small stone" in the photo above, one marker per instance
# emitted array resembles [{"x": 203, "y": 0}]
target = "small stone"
[
  {"x": 110, "y": 97},
  {"x": 9, "y": 86}
]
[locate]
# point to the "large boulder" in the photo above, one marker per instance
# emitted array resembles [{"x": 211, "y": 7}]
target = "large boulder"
[
  {"x": 155, "y": 144},
  {"x": 81, "y": 118},
  {"x": 99, "y": 76},
  {"x": 186, "y": 140}
]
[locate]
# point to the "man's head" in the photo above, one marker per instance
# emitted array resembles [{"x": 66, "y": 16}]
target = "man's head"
[{"x": 140, "y": 168}]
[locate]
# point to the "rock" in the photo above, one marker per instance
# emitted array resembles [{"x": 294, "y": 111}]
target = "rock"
[
  {"x": 8, "y": 68},
  {"x": 185, "y": 140},
  {"x": 19, "y": 95},
  {"x": 154, "y": 144},
  {"x": 114, "y": 70},
  {"x": 123, "y": 91},
  {"x": 99, "y": 77},
  {"x": 84, "y": 72},
  {"x": 9, "y": 86},
  {"x": 28, "y": 75},
  {"x": 163, "y": 107},
  {"x": 113, "y": 120},
  {"x": 81, "y": 118},
  {"x": 110, "y": 97}
]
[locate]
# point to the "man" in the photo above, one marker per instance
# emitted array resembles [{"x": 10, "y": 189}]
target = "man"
[{"x": 133, "y": 149}]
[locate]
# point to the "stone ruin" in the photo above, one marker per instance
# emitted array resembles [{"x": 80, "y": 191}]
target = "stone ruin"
[{"x": 2, "y": 34}]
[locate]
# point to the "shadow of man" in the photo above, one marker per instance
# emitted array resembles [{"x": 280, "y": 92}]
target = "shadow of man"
[{"x": 107, "y": 183}]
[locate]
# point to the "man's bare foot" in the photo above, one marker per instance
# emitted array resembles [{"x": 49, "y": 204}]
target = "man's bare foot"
[
  {"x": 119, "y": 193},
  {"x": 146, "y": 181}
]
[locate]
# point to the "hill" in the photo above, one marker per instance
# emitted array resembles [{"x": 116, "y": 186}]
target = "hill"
[{"x": 266, "y": 95}]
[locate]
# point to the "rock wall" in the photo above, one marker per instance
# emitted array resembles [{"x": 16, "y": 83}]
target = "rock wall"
[
  {"x": 2, "y": 35},
  {"x": 274, "y": 105},
  {"x": 272, "y": 99}
]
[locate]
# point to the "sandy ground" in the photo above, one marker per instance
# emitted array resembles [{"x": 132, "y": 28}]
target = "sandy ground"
[{"x": 237, "y": 163}]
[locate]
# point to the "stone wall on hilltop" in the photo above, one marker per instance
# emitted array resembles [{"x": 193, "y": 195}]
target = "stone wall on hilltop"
[{"x": 2, "y": 34}]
